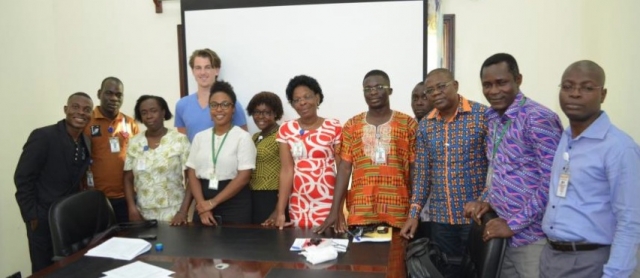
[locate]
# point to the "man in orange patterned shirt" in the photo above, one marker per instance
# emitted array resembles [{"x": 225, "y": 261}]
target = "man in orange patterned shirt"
[
  {"x": 377, "y": 152},
  {"x": 451, "y": 164}
]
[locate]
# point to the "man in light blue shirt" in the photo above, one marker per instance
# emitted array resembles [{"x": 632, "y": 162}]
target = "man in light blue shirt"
[
  {"x": 592, "y": 220},
  {"x": 192, "y": 111}
]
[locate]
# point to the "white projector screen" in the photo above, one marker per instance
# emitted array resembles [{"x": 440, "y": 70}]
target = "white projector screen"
[{"x": 262, "y": 48}]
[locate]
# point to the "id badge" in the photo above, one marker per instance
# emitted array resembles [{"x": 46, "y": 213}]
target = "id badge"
[
  {"x": 562, "y": 185},
  {"x": 380, "y": 156},
  {"x": 141, "y": 165},
  {"x": 213, "y": 181},
  {"x": 489, "y": 177},
  {"x": 90, "y": 179},
  {"x": 115, "y": 144},
  {"x": 297, "y": 150}
]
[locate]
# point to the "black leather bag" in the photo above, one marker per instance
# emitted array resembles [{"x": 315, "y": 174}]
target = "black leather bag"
[{"x": 424, "y": 259}]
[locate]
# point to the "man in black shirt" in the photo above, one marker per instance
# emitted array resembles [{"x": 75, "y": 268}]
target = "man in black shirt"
[{"x": 53, "y": 162}]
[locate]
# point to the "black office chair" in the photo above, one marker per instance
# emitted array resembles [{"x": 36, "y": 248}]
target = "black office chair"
[
  {"x": 77, "y": 219},
  {"x": 484, "y": 259}
]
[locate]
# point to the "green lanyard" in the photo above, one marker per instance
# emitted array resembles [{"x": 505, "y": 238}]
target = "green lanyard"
[
  {"x": 496, "y": 142},
  {"x": 214, "y": 155}
]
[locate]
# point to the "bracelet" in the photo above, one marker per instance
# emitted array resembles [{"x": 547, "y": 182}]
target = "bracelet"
[{"x": 210, "y": 203}]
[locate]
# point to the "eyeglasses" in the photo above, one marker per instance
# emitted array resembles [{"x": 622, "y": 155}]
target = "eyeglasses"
[
  {"x": 309, "y": 97},
  {"x": 225, "y": 105},
  {"x": 583, "y": 90},
  {"x": 262, "y": 113},
  {"x": 377, "y": 88},
  {"x": 440, "y": 87}
]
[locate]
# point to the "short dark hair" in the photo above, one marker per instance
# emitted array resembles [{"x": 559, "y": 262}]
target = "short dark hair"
[
  {"x": 110, "y": 78},
  {"x": 269, "y": 99},
  {"x": 225, "y": 87},
  {"x": 79, "y": 94},
  {"x": 499, "y": 58},
  {"x": 304, "y": 80},
  {"x": 163, "y": 104},
  {"x": 376, "y": 72},
  {"x": 421, "y": 83}
]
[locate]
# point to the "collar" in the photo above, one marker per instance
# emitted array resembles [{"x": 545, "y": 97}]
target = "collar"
[
  {"x": 597, "y": 130},
  {"x": 463, "y": 107},
  {"x": 512, "y": 110},
  {"x": 97, "y": 114}
]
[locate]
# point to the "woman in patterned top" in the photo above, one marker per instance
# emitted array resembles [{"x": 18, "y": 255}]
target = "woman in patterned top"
[
  {"x": 307, "y": 151},
  {"x": 154, "y": 169},
  {"x": 266, "y": 109}
]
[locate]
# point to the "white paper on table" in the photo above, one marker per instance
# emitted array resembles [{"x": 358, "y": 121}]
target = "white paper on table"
[
  {"x": 138, "y": 270},
  {"x": 316, "y": 255},
  {"x": 120, "y": 248},
  {"x": 301, "y": 244}
]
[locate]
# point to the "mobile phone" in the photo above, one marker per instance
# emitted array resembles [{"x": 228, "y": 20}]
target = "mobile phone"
[
  {"x": 218, "y": 219},
  {"x": 147, "y": 236}
]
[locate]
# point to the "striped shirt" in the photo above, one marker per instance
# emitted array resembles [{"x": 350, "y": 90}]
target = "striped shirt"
[
  {"x": 379, "y": 191},
  {"x": 451, "y": 163},
  {"x": 522, "y": 165}
]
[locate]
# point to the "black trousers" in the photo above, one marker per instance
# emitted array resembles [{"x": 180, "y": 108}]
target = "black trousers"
[
  {"x": 40, "y": 245},
  {"x": 236, "y": 210},
  {"x": 120, "y": 209},
  {"x": 263, "y": 203}
]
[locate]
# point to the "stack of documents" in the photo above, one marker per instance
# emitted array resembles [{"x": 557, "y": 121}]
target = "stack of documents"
[
  {"x": 301, "y": 244},
  {"x": 320, "y": 250},
  {"x": 120, "y": 248},
  {"x": 374, "y": 237},
  {"x": 138, "y": 270}
]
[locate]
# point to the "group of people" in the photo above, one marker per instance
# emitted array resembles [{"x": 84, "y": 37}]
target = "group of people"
[{"x": 450, "y": 163}]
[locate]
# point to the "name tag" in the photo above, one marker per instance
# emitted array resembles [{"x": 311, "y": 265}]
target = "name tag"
[
  {"x": 90, "y": 179},
  {"x": 213, "y": 181},
  {"x": 115, "y": 144},
  {"x": 142, "y": 166},
  {"x": 298, "y": 150},
  {"x": 380, "y": 156},
  {"x": 563, "y": 183}
]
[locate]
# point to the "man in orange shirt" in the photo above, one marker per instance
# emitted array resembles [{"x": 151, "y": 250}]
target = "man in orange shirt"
[{"x": 110, "y": 131}]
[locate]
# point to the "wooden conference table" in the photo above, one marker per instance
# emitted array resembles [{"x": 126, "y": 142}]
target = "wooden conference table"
[{"x": 249, "y": 251}]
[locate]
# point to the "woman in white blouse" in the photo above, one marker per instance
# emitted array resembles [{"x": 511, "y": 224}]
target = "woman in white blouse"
[
  {"x": 154, "y": 167},
  {"x": 220, "y": 163}
]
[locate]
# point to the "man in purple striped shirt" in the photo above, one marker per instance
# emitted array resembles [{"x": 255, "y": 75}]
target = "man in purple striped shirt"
[{"x": 522, "y": 139}]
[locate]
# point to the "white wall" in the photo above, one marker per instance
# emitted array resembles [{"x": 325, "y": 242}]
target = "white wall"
[
  {"x": 50, "y": 49},
  {"x": 546, "y": 37}
]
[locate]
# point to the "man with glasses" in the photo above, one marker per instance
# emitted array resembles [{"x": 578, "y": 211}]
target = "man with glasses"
[
  {"x": 378, "y": 149},
  {"x": 192, "y": 111},
  {"x": 522, "y": 137},
  {"x": 451, "y": 164},
  {"x": 592, "y": 220}
]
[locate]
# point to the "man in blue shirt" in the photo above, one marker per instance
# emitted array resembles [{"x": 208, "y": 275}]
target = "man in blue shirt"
[
  {"x": 192, "y": 111},
  {"x": 592, "y": 220}
]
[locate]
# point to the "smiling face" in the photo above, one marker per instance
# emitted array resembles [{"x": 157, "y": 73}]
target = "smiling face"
[
  {"x": 499, "y": 86},
  {"x": 264, "y": 117},
  {"x": 376, "y": 91},
  {"x": 443, "y": 91},
  {"x": 582, "y": 92},
  {"x": 152, "y": 114},
  {"x": 204, "y": 73},
  {"x": 305, "y": 102},
  {"x": 78, "y": 112},
  {"x": 221, "y": 108},
  {"x": 111, "y": 96}
]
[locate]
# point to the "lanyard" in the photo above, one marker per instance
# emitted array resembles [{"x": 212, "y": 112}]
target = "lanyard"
[
  {"x": 496, "y": 142},
  {"x": 214, "y": 155}
]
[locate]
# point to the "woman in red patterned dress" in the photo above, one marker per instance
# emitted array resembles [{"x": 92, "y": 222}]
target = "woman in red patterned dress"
[{"x": 307, "y": 151}]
